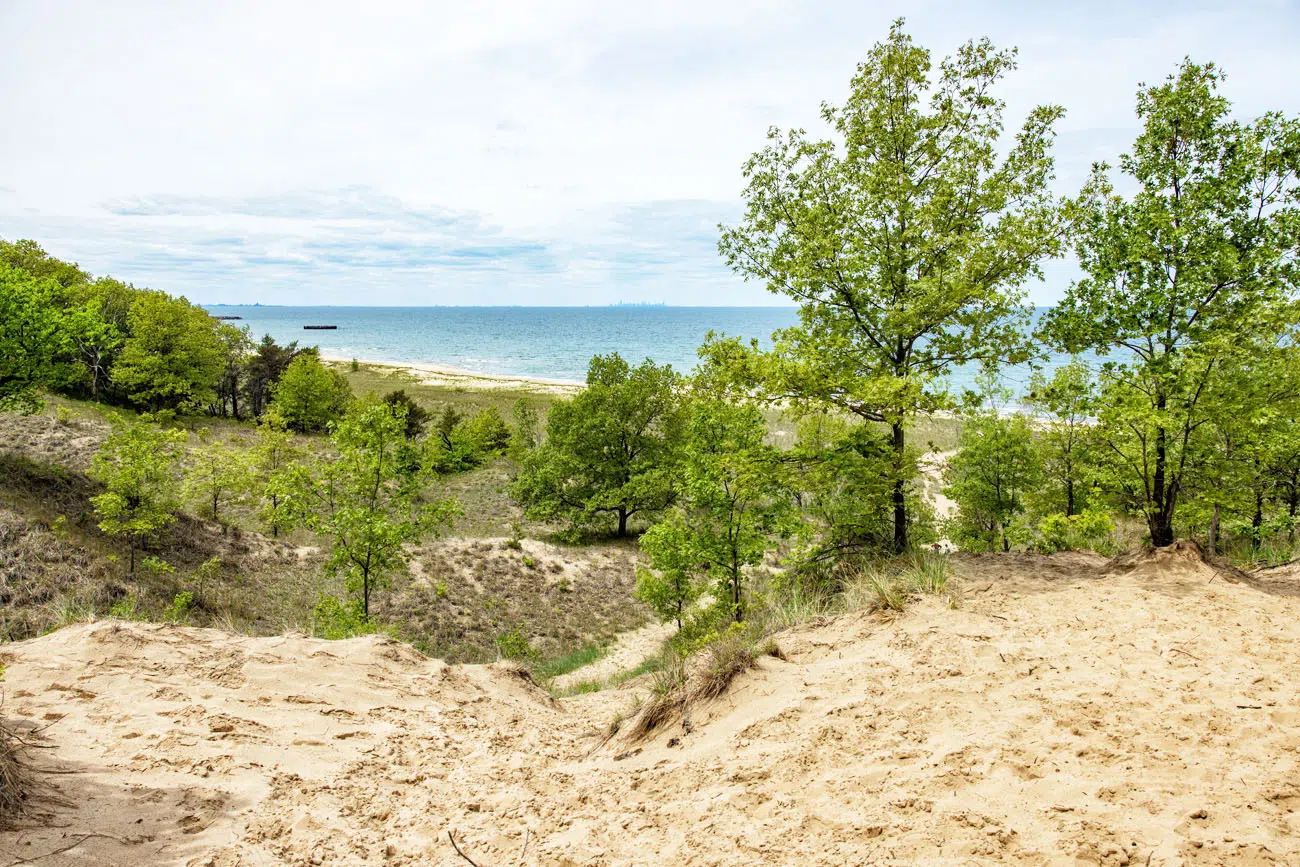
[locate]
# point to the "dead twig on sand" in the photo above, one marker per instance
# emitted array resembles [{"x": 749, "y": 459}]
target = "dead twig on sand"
[
  {"x": 68, "y": 848},
  {"x": 452, "y": 837}
]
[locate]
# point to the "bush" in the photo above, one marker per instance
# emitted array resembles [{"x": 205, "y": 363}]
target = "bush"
[
  {"x": 335, "y": 619},
  {"x": 1089, "y": 530},
  {"x": 181, "y": 606},
  {"x": 309, "y": 396},
  {"x": 514, "y": 644}
]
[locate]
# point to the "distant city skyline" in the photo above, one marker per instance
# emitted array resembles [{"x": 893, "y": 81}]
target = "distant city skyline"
[{"x": 567, "y": 154}]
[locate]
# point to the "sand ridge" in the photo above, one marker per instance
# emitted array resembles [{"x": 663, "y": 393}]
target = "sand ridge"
[{"x": 1065, "y": 712}]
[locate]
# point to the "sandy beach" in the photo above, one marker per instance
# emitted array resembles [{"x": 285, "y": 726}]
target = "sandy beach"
[{"x": 446, "y": 375}]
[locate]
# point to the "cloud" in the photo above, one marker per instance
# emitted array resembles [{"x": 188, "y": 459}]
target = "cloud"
[{"x": 572, "y": 152}]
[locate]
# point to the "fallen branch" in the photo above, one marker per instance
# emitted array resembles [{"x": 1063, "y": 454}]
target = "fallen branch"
[
  {"x": 83, "y": 838},
  {"x": 452, "y": 838}
]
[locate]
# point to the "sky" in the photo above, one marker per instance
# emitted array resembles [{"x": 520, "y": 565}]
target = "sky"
[{"x": 559, "y": 153}]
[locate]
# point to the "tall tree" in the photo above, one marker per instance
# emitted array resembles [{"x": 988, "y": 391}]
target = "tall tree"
[
  {"x": 173, "y": 356},
  {"x": 1194, "y": 267},
  {"x": 1065, "y": 402},
  {"x": 33, "y": 339},
  {"x": 611, "y": 451},
  {"x": 905, "y": 240}
]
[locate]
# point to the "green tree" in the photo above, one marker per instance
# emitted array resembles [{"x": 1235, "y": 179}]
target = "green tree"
[
  {"x": 29, "y": 256},
  {"x": 309, "y": 396},
  {"x": 367, "y": 501},
  {"x": 33, "y": 339},
  {"x": 671, "y": 586},
  {"x": 1065, "y": 402},
  {"x": 173, "y": 356},
  {"x": 610, "y": 451},
  {"x": 274, "y": 459},
  {"x": 995, "y": 467},
  {"x": 735, "y": 503},
  {"x": 266, "y": 364},
  {"x": 416, "y": 416},
  {"x": 524, "y": 437},
  {"x": 1193, "y": 268},
  {"x": 906, "y": 240},
  {"x": 137, "y": 466},
  {"x": 218, "y": 476}
]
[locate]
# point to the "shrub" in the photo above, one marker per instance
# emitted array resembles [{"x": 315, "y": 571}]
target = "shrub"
[
  {"x": 514, "y": 644},
  {"x": 181, "y": 606},
  {"x": 334, "y": 619},
  {"x": 309, "y": 396}
]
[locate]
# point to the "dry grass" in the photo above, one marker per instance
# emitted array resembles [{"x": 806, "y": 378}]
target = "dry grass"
[
  {"x": 18, "y": 782},
  {"x": 461, "y": 594}
]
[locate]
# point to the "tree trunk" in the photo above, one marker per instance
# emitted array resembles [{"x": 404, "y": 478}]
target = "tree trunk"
[
  {"x": 622, "y": 523},
  {"x": 1069, "y": 497},
  {"x": 132, "y": 555},
  {"x": 1160, "y": 520},
  {"x": 1214, "y": 529},
  {"x": 900, "y": 488},
  {"x": 1257, "y": 521},
  {"x": 365, "y": 597}
]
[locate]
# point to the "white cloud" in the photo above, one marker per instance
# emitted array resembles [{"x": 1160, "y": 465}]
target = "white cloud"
[{"x": 568, "y": 152}]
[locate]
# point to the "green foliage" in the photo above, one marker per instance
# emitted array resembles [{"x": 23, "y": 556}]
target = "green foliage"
[
  {"x": 136, "y": 465},
  {"x": 157, "y": 566},
  {"x": 335, "y": 619},
  {"x": 905, "y": 240},
  {"x": 416, "y": 416},
  {"x": 514, "y": 644},
  {"x": 33, "y": 340},
  {"x": 670, "y": 588},
  {"x": 610, "y": 451},
  {"x": 845, "y": 470},
  {"x": 524, "y": 437},
  {"x": 263, "y": 369},
  {"x": 989, "y": 478},
  {"x": 173, "y": 356},
  {"x": 180, "y": 607},
  {"x": 218, "y": 477},
  {"x": 1090, "y": 530},
  {"x": 124, "y": 608},
  {"x": 366, "y": 500},
  {"x": 735, "y": 505},
  {"x": 274, "y": 466},
  {"x": 1185, "y": 278},
  {"x": 309, "y": 396},
  {"x": 1066, "y": 441}
]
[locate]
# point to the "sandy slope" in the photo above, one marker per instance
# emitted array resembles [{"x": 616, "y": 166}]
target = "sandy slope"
[{"x": 1064, "y": 713}]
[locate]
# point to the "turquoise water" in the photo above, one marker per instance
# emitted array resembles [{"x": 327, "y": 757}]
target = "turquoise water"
[{"x": 553, "y": 342}]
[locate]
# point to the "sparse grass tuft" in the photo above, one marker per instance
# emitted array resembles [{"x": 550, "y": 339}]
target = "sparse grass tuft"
[
  {"x": 875, "y": 587},
  {"x": 16, "y": 778},
  {"x": 729, "y": 656},
  {"x": 928, "y": 572}
]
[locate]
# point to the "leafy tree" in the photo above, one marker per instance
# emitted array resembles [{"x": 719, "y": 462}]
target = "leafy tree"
[
  {"x": 845, "y": 490},
  {"x": 32, "y": 339},
  {"x": 367, "y": 501},
  {"x": 173, "y": 356},
  {"x": 274, "y": 460},
  {"x": 524, "y": 437},
  {"x": 671, "y": 587},
  {"x": 416, "y": 416},
  {"x": 1181, "y": 277},
  {"x": 906, "y": 240},
  {"x": 309, "y": 396},
  {"x": 97, "y": 339},
  {"x": 610, "y": 451},
  {"x": 735, "y": 503},
  {"x": 995, "y": 467},
  {"x": 218, "y": 476},
  {"x": 236, "y": 346},
  {"x": 136, "y": 465},
  {"x": 266, "y": 364},
  {"x": 29, "y": 256},
  {"x": 488, "y": 433},
  {"x": 1066, "y": 400}
]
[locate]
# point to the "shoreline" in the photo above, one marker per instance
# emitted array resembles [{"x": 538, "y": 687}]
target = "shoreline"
[{"x": 432, "y": 373}]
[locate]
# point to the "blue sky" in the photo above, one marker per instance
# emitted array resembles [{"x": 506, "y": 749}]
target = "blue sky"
[{"x": 572, "y": 152}]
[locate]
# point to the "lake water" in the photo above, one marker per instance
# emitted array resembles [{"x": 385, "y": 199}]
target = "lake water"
[{"x": 553, "y": 342}]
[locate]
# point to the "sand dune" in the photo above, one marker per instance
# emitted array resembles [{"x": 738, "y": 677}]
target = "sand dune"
[{"x": 1066, "y": 712}]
